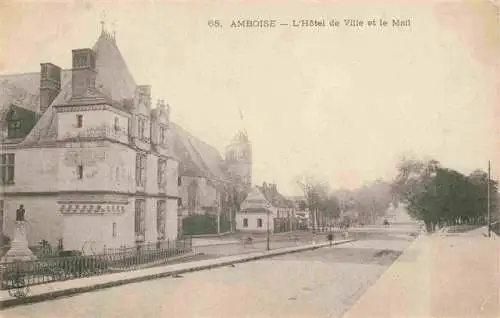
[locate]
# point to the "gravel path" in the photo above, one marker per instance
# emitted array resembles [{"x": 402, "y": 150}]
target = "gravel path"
[{"x": 320, "y": 283}]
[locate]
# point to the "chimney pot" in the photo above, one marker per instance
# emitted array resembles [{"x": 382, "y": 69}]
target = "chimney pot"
[
  {"x": 50, "y": 84},
  {"x": 83, "y": 74},
  {"x": 143, "y": 93}
]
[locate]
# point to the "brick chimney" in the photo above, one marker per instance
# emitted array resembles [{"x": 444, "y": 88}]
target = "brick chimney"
[
  {"x": 143, "y": 95},
  {"x": 50, "y": 84},
  {"x": 84, "y": 72}
]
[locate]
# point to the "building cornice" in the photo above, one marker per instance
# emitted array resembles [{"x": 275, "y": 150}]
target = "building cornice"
[
  {"x": 90, "y": 107},
  {"x": 79, "y": 140},
  {"x": 95, "y": 208},
  {"x": 61, "y": 194}
]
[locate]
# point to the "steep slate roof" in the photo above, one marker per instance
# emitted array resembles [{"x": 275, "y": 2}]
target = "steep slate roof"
[
  {"x": 198, "y": 158},
  {"x": 21, "y": 90},
  {"x": 113, "y": 76},
  {"x": 256, "y": 201},
  {"x": 113, "y": 79},
  {"x": 276, "y": 199}
]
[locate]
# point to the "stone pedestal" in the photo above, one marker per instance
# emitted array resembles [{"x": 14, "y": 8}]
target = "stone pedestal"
[{"x": 19, "y": 250}]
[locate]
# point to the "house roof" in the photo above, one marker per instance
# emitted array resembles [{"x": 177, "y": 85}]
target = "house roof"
[
  {"x": 197, "y": 157},
  {"x": 256, "y": 200},
  {"x": 274, "y": 197},
  {"x": 113, "y": 76},
  {"x": 21, "y": 90},
  {"x": 113, "y": 80}
]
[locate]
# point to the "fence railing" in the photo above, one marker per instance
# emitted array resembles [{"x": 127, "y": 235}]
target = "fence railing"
[
  {"x": 17, "y": 275},
  {"x": 40, "y": 271}
]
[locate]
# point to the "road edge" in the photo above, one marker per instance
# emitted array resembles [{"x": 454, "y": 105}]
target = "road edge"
[{"x": 50, "y": 295}]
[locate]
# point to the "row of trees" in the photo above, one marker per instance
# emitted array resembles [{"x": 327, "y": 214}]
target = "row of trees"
[
  {"x": 322, "y": 205},
  {"x": 363, "y": 205},
  {"x": 440, "y": 196}
]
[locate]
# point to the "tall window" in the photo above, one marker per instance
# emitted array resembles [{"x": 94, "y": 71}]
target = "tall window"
[
  {"x": 140, "y": 218},
  {"x": 140, "y": 170},
  {"x": 259, "y": 222},
  {"x": 7, "y": 168},
  {"x": 79, "y": 172},
  {"x": 114, "y": 229},
  {"x": 79, "y": 121},
  {"x": 245, "y": 222},
  {"x": 163, "y": 137},
  {"x": 117, "y": 124},
  {"x": 162, "y": 164},
  {"x": 161, "y": 213},
  {"x": 14, "y": 129},
  {"x": 142, "y": 128}
]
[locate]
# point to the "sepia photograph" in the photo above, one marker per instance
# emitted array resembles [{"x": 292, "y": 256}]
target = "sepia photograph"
[{"x": 285, "y": 159}]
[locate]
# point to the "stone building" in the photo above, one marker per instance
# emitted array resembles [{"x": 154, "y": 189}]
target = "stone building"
[
  {"x": 87, "y": 154},
  {"x": 265, "y": 205},
  {"x": 210, "y": 183}
]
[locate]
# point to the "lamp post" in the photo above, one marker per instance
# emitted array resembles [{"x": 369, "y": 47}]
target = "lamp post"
[
  {"x": 268, "y": 230},
  {"x": 489, "y": 199}
]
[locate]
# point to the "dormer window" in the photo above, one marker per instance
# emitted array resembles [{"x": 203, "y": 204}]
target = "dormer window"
[
  {"x": 20, "y": 121},
  {"x": 79, "y": 121},
  {"x": 14, "y": 129}
]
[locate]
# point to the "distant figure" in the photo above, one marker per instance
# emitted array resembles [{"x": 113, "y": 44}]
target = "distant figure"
[
  {"x": 386, "y": 223},
  {"x": 20, "y": 214},
  {"x": 330, "y": 238}
]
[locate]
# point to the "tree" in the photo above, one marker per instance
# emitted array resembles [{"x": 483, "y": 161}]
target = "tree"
[
  {"x": 302, "y": 205},
  {"x": 331, "y": 207},
  {"x": 369, "y": 201},
  {"x": 314, "y": 191},
  {"x": 440, "y": 196}
]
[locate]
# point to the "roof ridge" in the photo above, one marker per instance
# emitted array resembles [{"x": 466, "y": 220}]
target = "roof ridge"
[
  {"x": 190, "y": 134},
  {"x": 19, "y": 74}
]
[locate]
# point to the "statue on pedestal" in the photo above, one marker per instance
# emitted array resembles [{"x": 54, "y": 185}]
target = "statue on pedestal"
[
  {"x": 19, "y": 250},
  {"x": 20, "y": 214}
]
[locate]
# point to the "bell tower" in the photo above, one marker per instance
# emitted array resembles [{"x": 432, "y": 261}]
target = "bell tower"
[{"x": 239, "y": 159}]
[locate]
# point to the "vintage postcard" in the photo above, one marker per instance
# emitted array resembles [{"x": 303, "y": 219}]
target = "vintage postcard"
[{"x": 249, "y": 158}]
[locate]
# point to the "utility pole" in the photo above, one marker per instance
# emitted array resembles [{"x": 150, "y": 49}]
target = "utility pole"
[
  {"x": 268, "y": 234},
  {"x": 489, "y": 203},
  {"x": 218, "y": 213}
]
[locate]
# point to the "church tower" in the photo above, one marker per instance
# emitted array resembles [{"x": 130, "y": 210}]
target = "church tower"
[{"x": 239, "y": 159}]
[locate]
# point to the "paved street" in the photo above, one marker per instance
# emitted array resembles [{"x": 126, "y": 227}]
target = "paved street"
[
  {"x": 442, "y": 275},
  {"x": 320, "y": 283}
]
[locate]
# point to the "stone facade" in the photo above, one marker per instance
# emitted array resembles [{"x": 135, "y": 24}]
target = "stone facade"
[
  {"x": 210, "y": 183},
  {"x": 98, "y": 168}
]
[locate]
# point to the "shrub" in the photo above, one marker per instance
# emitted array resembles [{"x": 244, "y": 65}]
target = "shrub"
[
  {"x": 69, "y": 253},
  {"x": 199, "y": 225},
  {"x": 4, "y": 240}
]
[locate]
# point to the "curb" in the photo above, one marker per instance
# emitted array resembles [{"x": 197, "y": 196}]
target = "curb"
[{"x": 50, "y": 295}]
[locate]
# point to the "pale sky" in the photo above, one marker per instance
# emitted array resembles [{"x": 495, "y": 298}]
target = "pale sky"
[{"x": 341, "y": 103}]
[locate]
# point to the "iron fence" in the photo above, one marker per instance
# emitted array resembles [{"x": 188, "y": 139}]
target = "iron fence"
[
  {"x": 17, "y": 276},
  {"x": 249, "y": 243},
  {"x": 28, "y": 273}
]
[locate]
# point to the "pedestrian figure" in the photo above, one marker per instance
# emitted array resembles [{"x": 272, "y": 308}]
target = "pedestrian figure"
[{"x": 330, "y": 238}]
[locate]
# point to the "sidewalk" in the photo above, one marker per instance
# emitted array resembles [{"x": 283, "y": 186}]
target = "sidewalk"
[
  {"x": 438, "y": 276},
  {"x": 65, "y": 288}
]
